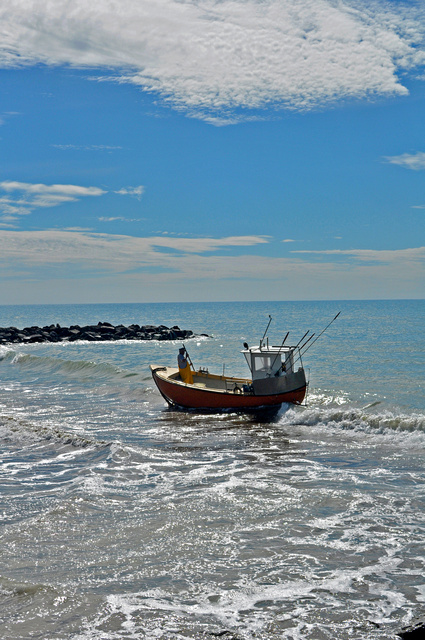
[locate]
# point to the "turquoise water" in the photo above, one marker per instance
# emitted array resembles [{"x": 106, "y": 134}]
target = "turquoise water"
[{"x": 122, "y": 519}]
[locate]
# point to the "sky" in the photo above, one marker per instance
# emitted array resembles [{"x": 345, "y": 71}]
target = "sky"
[{"x": 202, "y": 150}]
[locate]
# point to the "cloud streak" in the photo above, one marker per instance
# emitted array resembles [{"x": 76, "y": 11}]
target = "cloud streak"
[
  {"x": 415, "y": 161},
  {"x": 85, "y": 147},
  {"x": 131, "y": 191},
  {"x": 375, "y": 255},
  {"x": 212, "y": 58},
  {"x": 59, "y": 264},
  {"x": 189, "y": 255},
  {"x": 96, "y": 252},
  {"x": 25, "y": 197}
]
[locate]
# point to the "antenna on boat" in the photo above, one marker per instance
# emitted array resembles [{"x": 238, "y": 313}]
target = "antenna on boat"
[{"x": 267, "y": 328}]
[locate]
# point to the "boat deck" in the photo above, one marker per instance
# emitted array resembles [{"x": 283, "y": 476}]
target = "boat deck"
[{"x": 206, "y": 380}]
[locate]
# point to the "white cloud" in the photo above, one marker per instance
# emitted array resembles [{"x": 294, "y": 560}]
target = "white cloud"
[
  {"x": 131, "y": 191},
  {"x": 119, "y": 253},
  {"x": 33, "y": 196},
  {"x": 85, "y": 147},
  {"x": 416, "y": 254},
  {"x": 190, "y": 256},
  {"x": 211, "y": 58},
  {"x": 59, "y": 265},
  {"x": 25, "y": 197},
  {"x": 415, "y": 161},
  {"x": 7, "y": 114},
  {"x": 61, "y": 190},
  {"x": 119, "y": 218}
]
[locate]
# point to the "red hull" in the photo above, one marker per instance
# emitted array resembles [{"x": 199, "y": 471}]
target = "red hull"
[{"x": 190, "y": 397}]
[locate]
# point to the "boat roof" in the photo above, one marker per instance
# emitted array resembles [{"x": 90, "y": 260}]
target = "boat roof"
[{"x": 264, "y": 349}]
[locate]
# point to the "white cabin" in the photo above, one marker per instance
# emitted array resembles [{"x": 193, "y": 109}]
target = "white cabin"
[
  {"x": 273, "y": 368},
  {"x": 268, "y": 361}
]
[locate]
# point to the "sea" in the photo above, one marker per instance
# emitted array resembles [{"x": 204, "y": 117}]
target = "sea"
[{"x": 124, "y": 519}]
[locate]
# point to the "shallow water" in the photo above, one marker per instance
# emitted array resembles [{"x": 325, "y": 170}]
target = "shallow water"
[{"x": 123, "y": 519}]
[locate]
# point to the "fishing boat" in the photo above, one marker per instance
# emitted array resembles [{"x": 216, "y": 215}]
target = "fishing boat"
[{"x": 277, "y": 377}]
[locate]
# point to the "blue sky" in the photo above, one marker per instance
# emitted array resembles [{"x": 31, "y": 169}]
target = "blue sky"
[{"x": 234, "y": 150}]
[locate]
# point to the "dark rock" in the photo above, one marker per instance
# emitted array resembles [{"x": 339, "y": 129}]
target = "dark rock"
[
  {"x": 36, "y": 337},
  {"x": 104, "y": 328},
  {"x": 88, "y": 335},
  {"x": 180, "y": 335},
  {"x": 101, "y": 331}
]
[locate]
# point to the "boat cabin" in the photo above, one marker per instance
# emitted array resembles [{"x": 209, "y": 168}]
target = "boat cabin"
[{"x": 268, "y": 361}]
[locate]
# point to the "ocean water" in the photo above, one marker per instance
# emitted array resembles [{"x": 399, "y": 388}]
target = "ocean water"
[{"x": 123, "y": 519}]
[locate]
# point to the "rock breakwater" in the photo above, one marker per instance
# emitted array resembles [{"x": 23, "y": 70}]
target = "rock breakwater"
[{"x": 101, "y": 331}]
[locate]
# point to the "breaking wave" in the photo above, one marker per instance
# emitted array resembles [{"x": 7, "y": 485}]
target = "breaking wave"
[{"x": 352, "y": 418}]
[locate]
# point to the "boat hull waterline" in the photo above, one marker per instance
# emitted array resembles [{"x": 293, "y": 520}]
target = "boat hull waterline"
[{"x": 220, "y": 393}]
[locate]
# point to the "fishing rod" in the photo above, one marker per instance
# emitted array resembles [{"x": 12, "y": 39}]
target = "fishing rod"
[
  {"x": 296, "y": 347},
  {"x": 299, "y": 341},
  {"x": 307, "y": 341},
  {"x": 322, "y": 332},
  {"x": 283, "y": 342},
  {"x": 267, "y": 328},
  {"x": 312, "y": 343}
]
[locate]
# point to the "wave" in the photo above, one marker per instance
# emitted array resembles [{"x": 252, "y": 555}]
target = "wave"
[
  {"x": 356, "y": 419},
  {"x": 12, "y": 588},
  {"x": 17, "y": 430},
  {"x": 74, "y": 368}
]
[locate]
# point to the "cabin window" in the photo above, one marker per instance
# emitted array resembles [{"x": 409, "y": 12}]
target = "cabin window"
[{"x": 263, "y": 365}]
